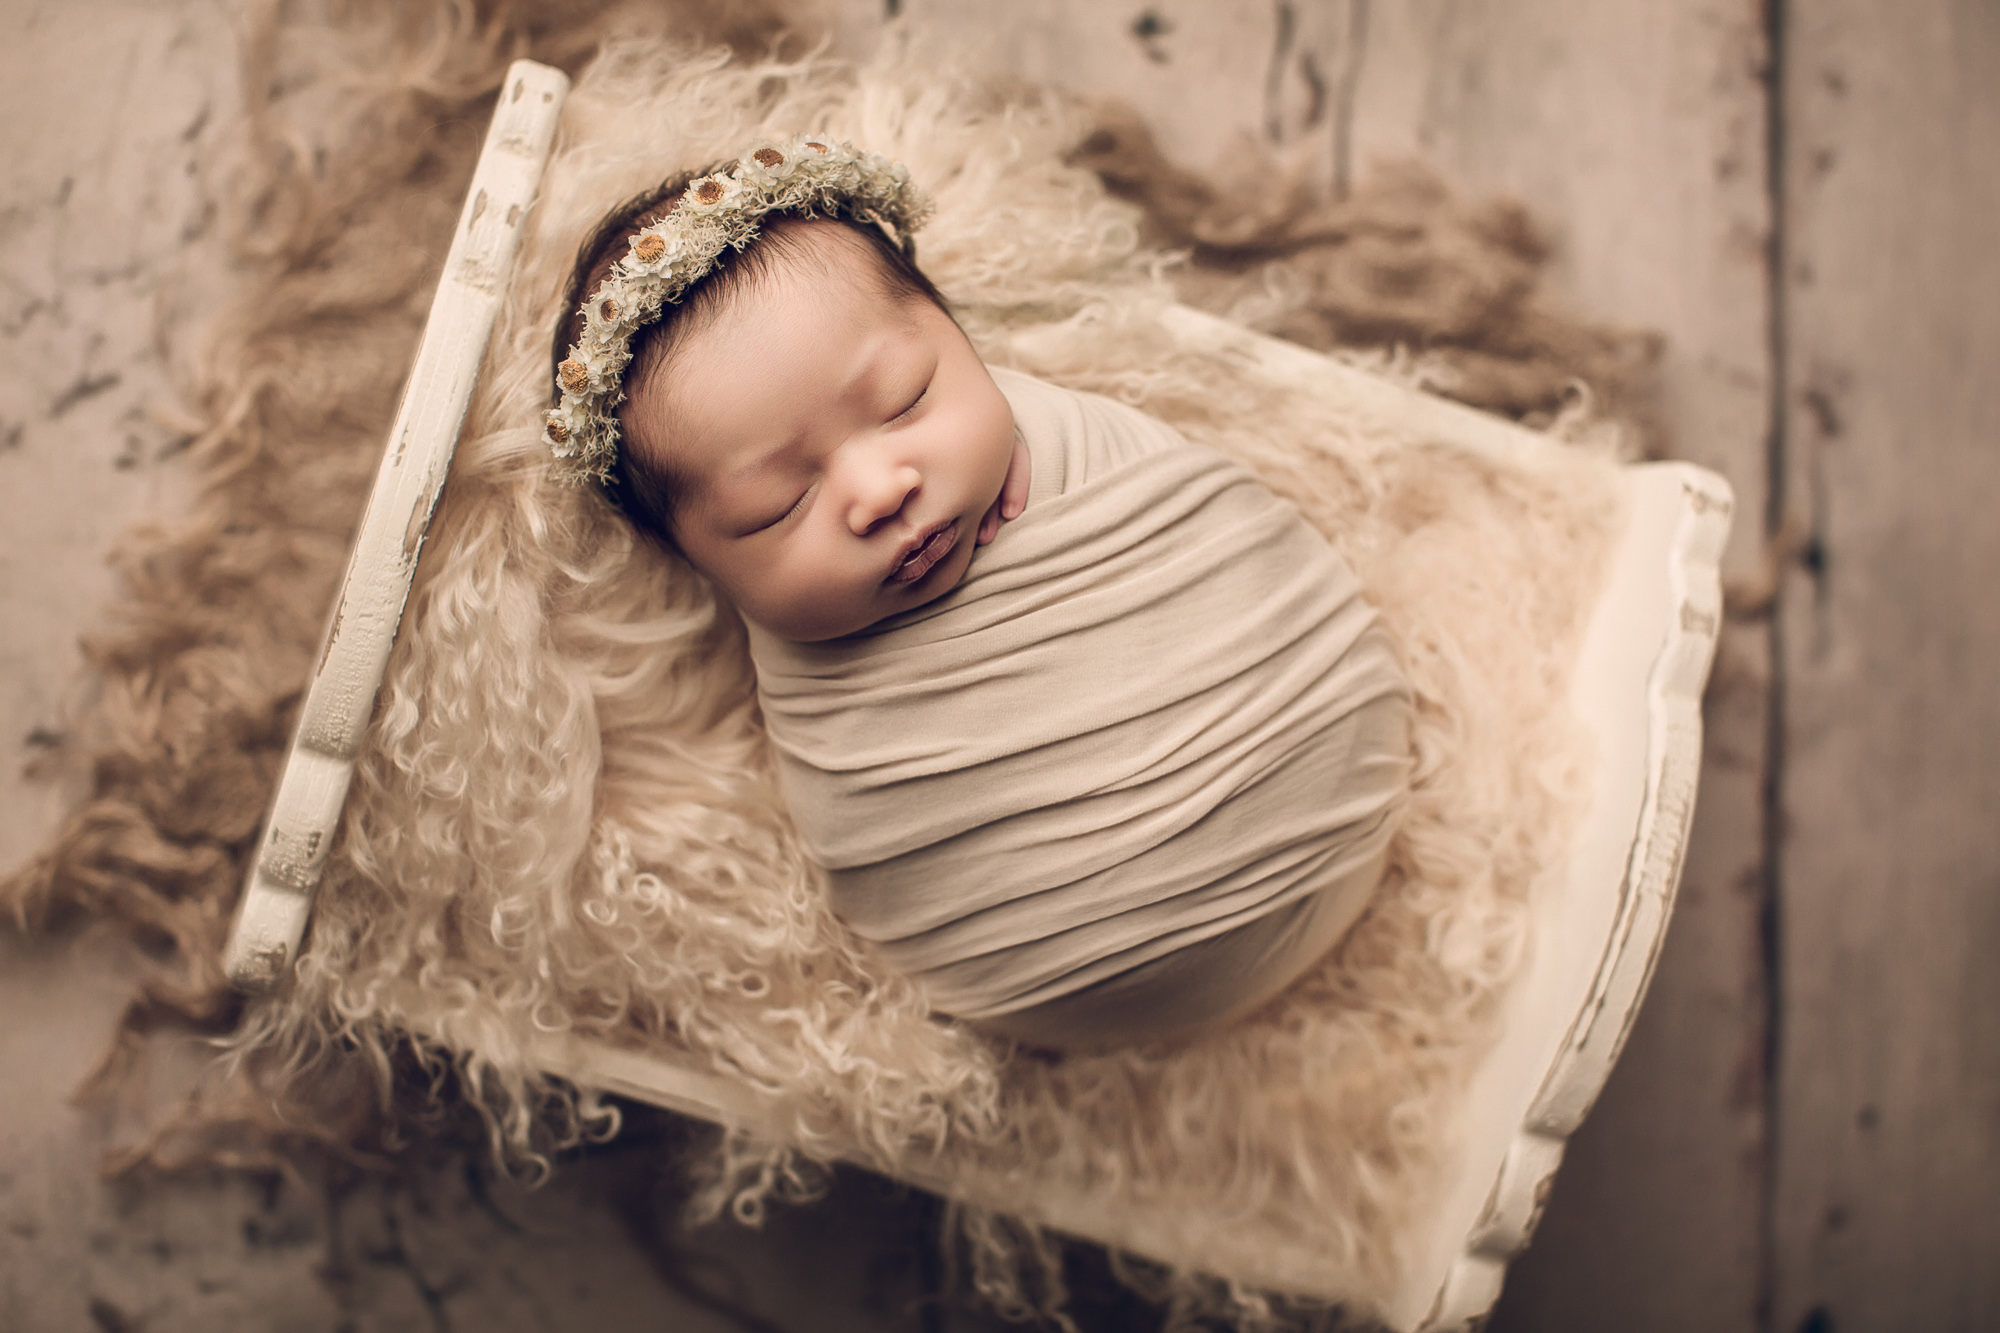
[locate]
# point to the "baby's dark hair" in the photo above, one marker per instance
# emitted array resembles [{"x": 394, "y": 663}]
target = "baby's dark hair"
[{"x": 642, "y": 487}]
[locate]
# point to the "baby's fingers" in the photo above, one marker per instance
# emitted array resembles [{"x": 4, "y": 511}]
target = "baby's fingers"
[{"x": 1014, "y": 490}]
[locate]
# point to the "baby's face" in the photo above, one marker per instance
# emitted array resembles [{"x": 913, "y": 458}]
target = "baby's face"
[{"x": 835, "y": 450}]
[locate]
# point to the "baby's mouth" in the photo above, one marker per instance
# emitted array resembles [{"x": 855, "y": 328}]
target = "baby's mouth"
[{"x": 928, "y": 549}]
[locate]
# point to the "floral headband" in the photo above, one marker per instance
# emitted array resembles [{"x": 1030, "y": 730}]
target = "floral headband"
[{"x": 806, "y": 175}]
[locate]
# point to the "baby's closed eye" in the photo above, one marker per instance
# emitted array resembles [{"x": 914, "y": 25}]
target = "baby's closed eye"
[
  {"x": 795, "y": 507},
  {"x": 913, "y": 404}
]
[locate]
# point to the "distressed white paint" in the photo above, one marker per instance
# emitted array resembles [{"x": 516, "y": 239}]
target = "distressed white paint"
[{"x": 340, "y": 700}]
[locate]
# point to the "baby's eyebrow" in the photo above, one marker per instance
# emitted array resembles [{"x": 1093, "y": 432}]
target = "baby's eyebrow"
[
  {"x": 715, "y": 498},
  {"x": 867, "y": 374},
  {"x": 864, "y": 375},
  {"x": 764, "y": 460}
]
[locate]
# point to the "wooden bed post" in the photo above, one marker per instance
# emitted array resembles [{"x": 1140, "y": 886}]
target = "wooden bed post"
[{"x": 299, "y": 830}]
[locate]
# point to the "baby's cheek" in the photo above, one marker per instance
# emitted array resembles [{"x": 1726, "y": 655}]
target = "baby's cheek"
[
  {"x": 984, "y": 457},
  {"x": 815, "y": 598}
]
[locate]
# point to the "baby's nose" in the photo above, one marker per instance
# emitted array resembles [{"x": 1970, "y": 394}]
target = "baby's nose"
[{"x": 879, "y": 494}]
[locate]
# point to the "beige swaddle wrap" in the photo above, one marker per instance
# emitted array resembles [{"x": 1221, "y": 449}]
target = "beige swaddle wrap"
[{"x": 1156, "y": 711}]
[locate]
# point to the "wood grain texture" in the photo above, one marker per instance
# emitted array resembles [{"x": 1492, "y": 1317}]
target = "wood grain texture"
[
  {"x": 1889, "y": 1091},
  {"x": 1208, "y": 77},
  {"x": 1636, "y": 133},
  {"x": 106, "y": 240}
]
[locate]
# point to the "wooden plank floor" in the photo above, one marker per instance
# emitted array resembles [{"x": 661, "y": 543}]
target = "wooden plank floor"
[
  {"x": 105, "y": 238},
  {"x": 1636, "y": 132},
  {"x": 1888, "y": 1106},
  {"x": 1804, "y": 1135}
]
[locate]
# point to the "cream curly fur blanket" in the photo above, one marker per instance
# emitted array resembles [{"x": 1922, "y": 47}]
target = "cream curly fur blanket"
[{"x": 567, "y": 819}]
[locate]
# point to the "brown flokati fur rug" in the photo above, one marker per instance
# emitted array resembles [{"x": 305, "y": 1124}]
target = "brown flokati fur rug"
[
  {"x": 566, "y": 820},
  {"x": 1444, "y": 290}
]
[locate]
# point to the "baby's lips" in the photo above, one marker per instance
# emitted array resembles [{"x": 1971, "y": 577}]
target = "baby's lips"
[{"x": 930, "y": 548}]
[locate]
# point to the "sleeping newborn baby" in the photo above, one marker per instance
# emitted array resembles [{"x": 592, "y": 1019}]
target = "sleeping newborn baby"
[{"x": 1092, "y": 733}]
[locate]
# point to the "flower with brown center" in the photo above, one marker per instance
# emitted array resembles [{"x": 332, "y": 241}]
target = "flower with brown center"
[
  {"x": 573, "y": 375},
  {"x": 770, "y": 157},
  {"x": 647, "y": 248}
]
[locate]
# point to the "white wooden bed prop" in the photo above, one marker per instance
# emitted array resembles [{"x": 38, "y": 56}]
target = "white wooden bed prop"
[
  {"x": 1637, "y": 689},
  {"x": 298, "y": 832}
]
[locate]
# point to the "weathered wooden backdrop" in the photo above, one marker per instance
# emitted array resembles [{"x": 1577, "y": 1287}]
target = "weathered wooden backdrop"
[{"x": 1804, "y": 1135}]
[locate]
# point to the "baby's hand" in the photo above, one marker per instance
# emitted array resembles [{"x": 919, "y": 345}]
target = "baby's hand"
[{"x": 1013, "y": 497}]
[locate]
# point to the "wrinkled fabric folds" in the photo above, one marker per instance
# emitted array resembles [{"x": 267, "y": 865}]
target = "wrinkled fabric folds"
[{"x": 1156, "y": 710}]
